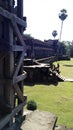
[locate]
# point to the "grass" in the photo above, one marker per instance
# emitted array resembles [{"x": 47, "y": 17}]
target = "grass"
[
  {"x": 56, "y": 99},
  {"x": 66, "y": 68}
]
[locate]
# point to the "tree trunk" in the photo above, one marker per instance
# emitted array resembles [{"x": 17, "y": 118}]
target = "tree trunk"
[{"x": 61, "y": 31}]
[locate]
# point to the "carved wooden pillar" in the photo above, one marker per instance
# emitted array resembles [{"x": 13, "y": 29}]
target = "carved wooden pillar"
[
  {"x": 11, "y": 69},
  {"x": 20, "y": 8},
  {"x": 20, "y": 15}
]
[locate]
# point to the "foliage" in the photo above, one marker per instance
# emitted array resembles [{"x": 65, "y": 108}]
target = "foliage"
[
  {"x": 28, "y": 35},
  {"x": 71, "y": 49},
  {"x": 63, "y": 11},
  {"x": 31, "y": 105},
  {"x": 63, "y": 14},
  {"x": 54, "y": 33},
  {"x": 62, "y": 49},
  {"x": 68, "y": 47},
  {"x": 56, "y": 99}
]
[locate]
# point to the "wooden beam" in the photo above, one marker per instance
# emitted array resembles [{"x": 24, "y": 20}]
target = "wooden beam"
[
  {"x": 19, "y": 65},
  {"x": 17, "y": 32},
  {"x": 19, "y": 78},
  {"x": 9, "y": 67},
  {"x": 19, "y": 93},
  {"x": 5, "y": 120},
  {"x": 1, "y": 77},
  {"x": 20, "y": 15},
  {"x": 20, "y": 8},
  {"x": 10, "y": 16}
]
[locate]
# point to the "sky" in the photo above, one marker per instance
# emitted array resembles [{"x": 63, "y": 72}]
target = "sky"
[{"x": 42, "y": 18}]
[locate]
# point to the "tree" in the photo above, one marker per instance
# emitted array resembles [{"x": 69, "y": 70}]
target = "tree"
[
  {"x": 71, "y": 49},
  {"x": 62, "y": 15},
  {"x": 28, "y": 35},
  {"x": 68, "y": 47},
  {"x": 54, "y": 33},
  {"x": 63, "y": 48}
]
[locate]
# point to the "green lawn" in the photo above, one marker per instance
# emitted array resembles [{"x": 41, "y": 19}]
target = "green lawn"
[
  {"x": 66, "y": 68},
  {"x": 56, "y": 99}
]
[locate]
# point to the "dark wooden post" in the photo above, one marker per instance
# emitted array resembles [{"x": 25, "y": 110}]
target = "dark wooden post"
[
  {"x": 20, "y": 8},
  {"x": 8, "y": 65},
  {"x": 20, "y": 15},
  {"x": 1, "y": 62},
  {"x": 11, "y": 68}
]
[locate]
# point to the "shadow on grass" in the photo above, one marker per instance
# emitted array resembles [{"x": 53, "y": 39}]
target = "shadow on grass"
[
  {"x": 55, "y": 83},
  {"x": 68, "y": 65}
]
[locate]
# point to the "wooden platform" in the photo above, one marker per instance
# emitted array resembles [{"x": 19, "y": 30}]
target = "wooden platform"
[{"x": 39, "y": 120}]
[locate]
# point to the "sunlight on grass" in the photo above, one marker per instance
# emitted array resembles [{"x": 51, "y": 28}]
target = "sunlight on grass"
[
  {"x": 56, "y": 99},
  {"x": 66, "y": 68}
]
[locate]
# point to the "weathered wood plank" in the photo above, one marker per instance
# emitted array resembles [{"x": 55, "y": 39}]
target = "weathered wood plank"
[
  {"x": 10, "y": 16},
  {"x": 20, "y": 15},
  {"x": 1, "y": 77},
  {"x": 5, "y": 120},
  {"x": 11, "y": 26},
  {"x": 1, "y": 26},
  {"x": 19, "y": 64},
  {"x": 17, "y": 32},
  {"x": 19, "y": 78},
  {"x": 20, "y": 8},
  {"x": 19, "y": 93},
  {"x": 9, "y": 67},
  {"x": 2, "y": 55}
]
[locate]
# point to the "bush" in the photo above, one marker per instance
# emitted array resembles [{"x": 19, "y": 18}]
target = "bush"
[{"x": 31, "y": 105}]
